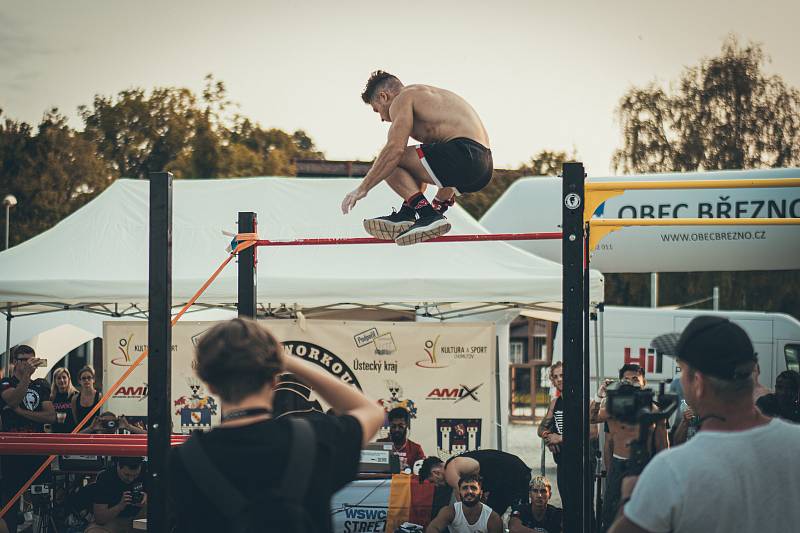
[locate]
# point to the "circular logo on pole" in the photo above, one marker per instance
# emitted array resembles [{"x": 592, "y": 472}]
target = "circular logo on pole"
[{"x": 572, "y": 201}]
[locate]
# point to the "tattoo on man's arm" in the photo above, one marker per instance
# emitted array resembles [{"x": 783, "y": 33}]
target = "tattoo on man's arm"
[{"x": 545, "y": 424}]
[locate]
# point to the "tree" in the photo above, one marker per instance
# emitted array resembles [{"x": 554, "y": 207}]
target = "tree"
[
  {"x": 193, "y": 137},
  {"x": 545, "y": 163},
  {"x": 724, "y": 113},
  {"x": 52, "y": 172}
]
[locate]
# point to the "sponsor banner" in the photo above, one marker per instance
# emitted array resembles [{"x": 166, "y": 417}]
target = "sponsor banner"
[
  {"x": 442, "y": 373},
  {"x": 535, "y": 203}
]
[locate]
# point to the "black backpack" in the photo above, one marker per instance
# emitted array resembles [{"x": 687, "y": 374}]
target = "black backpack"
[{"x": 281, "y": 508}]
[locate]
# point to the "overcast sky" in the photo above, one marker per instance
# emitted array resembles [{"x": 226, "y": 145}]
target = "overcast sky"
[{"x": 542, "y": 74}]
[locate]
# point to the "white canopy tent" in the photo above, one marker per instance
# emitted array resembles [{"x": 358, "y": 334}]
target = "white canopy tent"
[{"x": 97, "y": 257}]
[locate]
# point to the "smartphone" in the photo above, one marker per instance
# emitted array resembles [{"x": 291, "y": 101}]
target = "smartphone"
[{"x": 40, "y": 362}]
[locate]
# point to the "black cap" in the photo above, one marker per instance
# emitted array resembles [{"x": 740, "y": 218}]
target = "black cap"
[{"x": 713, "y": 345}]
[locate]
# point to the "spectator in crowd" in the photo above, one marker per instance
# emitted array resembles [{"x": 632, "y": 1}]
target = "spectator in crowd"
[
  {"x": 739, "y": 473},
  {"x": 432, "y": 470},
  {"x": 87, "y": 397},
  {"x": 408, "y": 451},
  {"x": 239, "y": 360},
  {"x": 785, "y": 401},
  {"x": 108, "y": 423},
  {"x": 551, "y": 428},
  {"x": 504, "y": 476},
  {"x": 537, "y": 516},
  {"x": 119, "y": 496},
  {"x": 61, "y": 395},
  {"x": 25, "y": 407},
  {"x": 618, "y": 438},
  {"x": 468, "y": 515}
]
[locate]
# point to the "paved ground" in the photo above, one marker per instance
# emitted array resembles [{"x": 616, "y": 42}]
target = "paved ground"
[{"x": 524, "y": 443}]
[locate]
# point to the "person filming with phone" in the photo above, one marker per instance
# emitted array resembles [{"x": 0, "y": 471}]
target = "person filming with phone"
[
  {"x": 109, "y": 424},
  {"x": 119, "y": 496},
  {"x": 25, "y": 407}
]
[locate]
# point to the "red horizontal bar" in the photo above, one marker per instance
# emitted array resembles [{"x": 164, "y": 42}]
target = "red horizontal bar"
[
  {"x": 446, "y": 238},
  {"x": 41, "y": 448},
  {"x": 86, "y": 439}
]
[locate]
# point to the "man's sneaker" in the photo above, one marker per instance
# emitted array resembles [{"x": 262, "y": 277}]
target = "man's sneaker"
[
  {"x": 389, "y": 227},
  {"x": 423, "y": 229}
]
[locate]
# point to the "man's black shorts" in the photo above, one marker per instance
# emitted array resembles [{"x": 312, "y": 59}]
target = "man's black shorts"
[{"x": 461, "y": 163}]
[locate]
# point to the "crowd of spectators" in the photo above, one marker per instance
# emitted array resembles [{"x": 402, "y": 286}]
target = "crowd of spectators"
[{"x": 730, "y": 435}]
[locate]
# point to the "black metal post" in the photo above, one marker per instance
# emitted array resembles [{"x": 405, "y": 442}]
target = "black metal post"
[
  {"x": 247, "y": 269},
  {"x": 159, "y": 343},
  {"x": 588, "y": 471},
  {"x": 575, "y": 448}
]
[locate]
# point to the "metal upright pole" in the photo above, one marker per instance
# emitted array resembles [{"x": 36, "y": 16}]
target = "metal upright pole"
[
  {"x": 575, "y": 451},
  {"x": 9, "y": 201},
  {"x": 159, "y": 342},
  {"x": 247, "y": 269}
]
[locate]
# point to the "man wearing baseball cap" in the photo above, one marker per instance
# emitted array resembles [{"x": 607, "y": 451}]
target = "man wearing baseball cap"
[{"x": 741, "y": 471}]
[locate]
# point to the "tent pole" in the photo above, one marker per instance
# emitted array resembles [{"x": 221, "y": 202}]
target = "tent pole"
[
  {"x": 246, "y": 304},
  {"x": 159, "y": 341}
]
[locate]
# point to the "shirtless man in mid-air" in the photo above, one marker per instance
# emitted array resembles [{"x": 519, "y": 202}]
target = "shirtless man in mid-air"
[{"x": 454, "y": 156}]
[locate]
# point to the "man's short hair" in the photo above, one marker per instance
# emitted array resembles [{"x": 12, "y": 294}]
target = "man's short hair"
[
  {"x": 132, "y": 463},
  {"x": 427, "y": 465},
  {"x": 470, "y": 478},
  {"x": 725, "y": 389},
  {"x": 399, "y": 412},
  {"x": 379, "y": 81},
  {"x": 21, "y": 349},
  {"x": 237, "y": 358},
  {"x": 631, "y": 367},
  {"x": 539, "y": 482}
]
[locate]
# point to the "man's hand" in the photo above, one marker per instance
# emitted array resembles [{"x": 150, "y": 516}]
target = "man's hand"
[
  {"x": 126, "y": 500},
  {"x": 26, "y": 368},
  {"x": 143, "y": 502},
  {"x": 554, "y": 439},
  {"x": 351, "y": 198},
  {"x": 688, "y": 414}
]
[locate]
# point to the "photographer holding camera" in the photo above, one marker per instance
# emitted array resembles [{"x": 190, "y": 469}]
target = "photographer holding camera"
[
  {"x": 25, "y": 407},
  {"x": 119, "y": 496},
  {"x": 108, "y": 424},
  {"x": 619, "y": 434},
  {"x": 739, "y": 473}
]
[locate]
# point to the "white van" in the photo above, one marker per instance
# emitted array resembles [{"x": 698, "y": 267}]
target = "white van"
[{"x": 622, "y": 335}]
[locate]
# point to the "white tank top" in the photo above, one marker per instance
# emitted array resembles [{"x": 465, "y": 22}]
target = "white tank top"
[{"x": 460, "y": 524}]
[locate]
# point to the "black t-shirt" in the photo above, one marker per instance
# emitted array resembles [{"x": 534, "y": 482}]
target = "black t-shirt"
[
  {"x": 254, "y": 458},
  {"x": 63, "y": 404},
  {"x": 109, "y": 487},
  {"x": 38, "y": 392},
  {"x": 768, "y": 405},
  {"x": 557, "y": 425},
  {"x": 505, "y": 477},
  {"x": 551, "y": 523}
]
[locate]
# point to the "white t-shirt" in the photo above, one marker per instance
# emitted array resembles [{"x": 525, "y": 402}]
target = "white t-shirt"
[
  {"x": 460, "y": 524},
  {"x": 724, "y": 482}
]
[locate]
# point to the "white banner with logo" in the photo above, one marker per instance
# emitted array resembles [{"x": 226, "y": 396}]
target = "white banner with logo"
[{"x": 444, "y": 374}]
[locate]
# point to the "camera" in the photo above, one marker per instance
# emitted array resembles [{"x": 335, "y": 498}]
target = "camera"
[
  {"x": 40, "y": 489},
  {"x": 108, "y": 425},
  {"x": 137, "y": 494},
  {"x": 627, "y": 401}
]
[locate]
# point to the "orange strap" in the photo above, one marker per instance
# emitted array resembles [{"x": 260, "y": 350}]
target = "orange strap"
[{"x": 246, "y": 240}]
